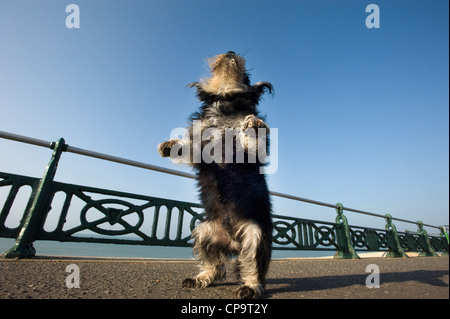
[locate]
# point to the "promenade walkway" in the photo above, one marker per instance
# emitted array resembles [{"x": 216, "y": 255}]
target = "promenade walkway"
[{"x": 45, "y": 277}]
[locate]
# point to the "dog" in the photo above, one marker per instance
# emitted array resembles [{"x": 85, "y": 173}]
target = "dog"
[{"x": 233, "y": 189}]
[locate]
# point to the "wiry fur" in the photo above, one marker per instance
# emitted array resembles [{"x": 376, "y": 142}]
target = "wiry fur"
[{"x": 235, "y": 195}]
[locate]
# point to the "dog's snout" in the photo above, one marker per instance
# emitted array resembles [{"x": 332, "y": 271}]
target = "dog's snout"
[{"x": 231, "y": 53}]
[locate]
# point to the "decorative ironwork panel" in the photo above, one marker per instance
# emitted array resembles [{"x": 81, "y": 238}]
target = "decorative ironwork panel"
[
  {"x": 292, "y": 233},
  {"x": 119, "y": 215},
  {"x": 410, "y": 242},
  {"x": 368, "y": 238},
  {"x": 14, "y": 183},
  {"x": 439, "y": 244}
]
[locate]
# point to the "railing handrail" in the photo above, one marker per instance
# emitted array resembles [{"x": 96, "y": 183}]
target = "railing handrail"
[{"x": 111, "y": 158}]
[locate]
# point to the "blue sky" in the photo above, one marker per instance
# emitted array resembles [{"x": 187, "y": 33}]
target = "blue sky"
[{"x": 362, "y": 114}]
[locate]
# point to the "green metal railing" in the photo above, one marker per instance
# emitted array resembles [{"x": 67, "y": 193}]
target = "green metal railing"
[{"x": 107, "y": 216}]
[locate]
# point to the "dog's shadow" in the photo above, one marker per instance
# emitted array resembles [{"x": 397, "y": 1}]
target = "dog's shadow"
[{"x": 290, "y": 285}]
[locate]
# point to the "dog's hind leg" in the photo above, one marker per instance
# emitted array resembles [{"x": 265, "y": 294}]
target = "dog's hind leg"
[
  {"x": 209, "y": 249},
  {"x": 253, "y": 261},
  {"x": 212, "y": 269}
]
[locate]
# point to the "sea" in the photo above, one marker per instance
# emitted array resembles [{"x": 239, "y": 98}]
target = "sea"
[{"x": 76, "y": 249}]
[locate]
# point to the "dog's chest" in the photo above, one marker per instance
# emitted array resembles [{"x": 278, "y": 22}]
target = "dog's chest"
[{"x": 223, "y": 115}]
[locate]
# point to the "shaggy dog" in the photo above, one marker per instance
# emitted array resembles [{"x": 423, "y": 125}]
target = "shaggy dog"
[{"x": 233, "y": 189}]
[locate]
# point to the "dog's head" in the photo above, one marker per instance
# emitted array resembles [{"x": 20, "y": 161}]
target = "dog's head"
[
  {"x": 228, "y": 74},
  {"x": 229, "y": 77}
]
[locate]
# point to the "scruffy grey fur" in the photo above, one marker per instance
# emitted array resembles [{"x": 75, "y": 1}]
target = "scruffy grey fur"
[{"x": 234, "y": 194}]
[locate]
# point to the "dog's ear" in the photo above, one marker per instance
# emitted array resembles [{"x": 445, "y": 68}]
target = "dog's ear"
[
  {"x": 263, "y": 87},
  {"x": 197, "y": 85},
  {"x": 201, "y": 93}
]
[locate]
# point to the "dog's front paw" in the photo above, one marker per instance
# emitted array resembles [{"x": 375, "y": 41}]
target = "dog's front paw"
[
  {"x": 165, "y": 147},
  {"x": 247, "y": 292},
  {"x": 252, "y": 121}
]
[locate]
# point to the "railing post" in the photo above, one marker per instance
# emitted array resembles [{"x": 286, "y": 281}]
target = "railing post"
[
  {"x": 444, "y": 235},
  {"x": 395, "y": 249},
  {"x": 37, "y": 208},
  {"x": 428, "y": 251},
  {"x": 343, "y": 238}
]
